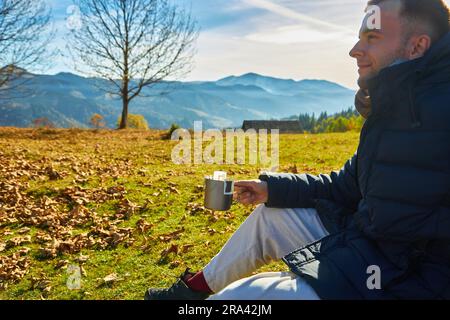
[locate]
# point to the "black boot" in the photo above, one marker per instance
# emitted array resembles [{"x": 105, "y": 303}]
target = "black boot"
[{"x": 178, "y": 291}]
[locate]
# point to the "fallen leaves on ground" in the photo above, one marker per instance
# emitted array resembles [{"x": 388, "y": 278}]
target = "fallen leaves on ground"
[
  {"x": 167, "y": 237},
  {"x": 41, "y": 283},
  {"x": 13, "y": 268},
  {"x": 173, "y": 248},
  {"x": 109, "y": 280},
  {"x": 66, "y": 194},
  {"x": 196, "y": 208},
  {"x": 59, "y": 213}
]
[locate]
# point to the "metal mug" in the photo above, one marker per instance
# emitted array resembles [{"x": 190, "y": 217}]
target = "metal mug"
[{"x": 218, "y": 194}]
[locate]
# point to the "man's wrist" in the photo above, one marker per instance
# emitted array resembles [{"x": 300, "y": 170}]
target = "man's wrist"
[{"x": 264, "y": 178}]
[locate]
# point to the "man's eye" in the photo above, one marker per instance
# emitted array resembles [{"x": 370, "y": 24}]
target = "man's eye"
[{"x": 371, "y": 37}]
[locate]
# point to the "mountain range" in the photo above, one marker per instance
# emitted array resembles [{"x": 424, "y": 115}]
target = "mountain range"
[{"x": 69, "y": 100}]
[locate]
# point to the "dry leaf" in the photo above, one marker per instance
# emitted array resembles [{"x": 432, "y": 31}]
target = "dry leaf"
[
  {"x": 23, "y": 230},
  {"x": 171, "y": 249},
  {"x": 62, "y": 264},
  {"x": 82, "y": 259},
  {"x": 171, "y": 236},
  {"x": 24, "y": 251},
  {"x": 175, "y": 264},
  {"x": 212, "y": 231},
  {"x": 41, "y": 283},
  {"x": 186, "y": 248},
  {"x": 175, "y": 190},
  {"x": 110, "y": 279},
  {"x": 14, "y": 242},
  {"x": 143, "y": 226}
]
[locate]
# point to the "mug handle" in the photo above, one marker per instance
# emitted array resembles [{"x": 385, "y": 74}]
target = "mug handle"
[{"x": 225, "y": 193}]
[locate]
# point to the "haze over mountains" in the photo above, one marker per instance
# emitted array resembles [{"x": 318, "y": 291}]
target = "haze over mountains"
[{"x": 69, "y": 100}]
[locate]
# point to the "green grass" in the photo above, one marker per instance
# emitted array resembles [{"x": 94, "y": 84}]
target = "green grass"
[{"x": 140, "y": 162}]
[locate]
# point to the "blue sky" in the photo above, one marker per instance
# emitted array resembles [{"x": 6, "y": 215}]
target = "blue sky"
[{"x": 295, "y": 39}]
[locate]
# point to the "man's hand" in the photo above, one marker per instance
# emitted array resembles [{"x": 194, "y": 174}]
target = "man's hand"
[{"x": 251, "y": 192}]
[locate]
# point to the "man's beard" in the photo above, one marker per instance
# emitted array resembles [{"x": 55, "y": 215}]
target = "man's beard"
[
  {"x": 397, "y": 57},
  {"x": 363, "y": 103},
  {"x": 363, "y": 83}
]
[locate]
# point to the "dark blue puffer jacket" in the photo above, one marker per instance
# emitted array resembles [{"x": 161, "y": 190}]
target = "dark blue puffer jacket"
[{"x": 389, "y": 206}]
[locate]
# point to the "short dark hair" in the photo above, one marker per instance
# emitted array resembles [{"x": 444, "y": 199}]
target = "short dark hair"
[{"x": 435, "y": 14}]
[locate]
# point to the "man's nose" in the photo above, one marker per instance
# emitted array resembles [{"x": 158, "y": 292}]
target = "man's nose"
[{"x": 356, "y": 51}]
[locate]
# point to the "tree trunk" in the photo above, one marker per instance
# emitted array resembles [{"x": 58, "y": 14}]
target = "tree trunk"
[
  {"x": 124, "y": 121},
  {"x": 125, "y": 77}
]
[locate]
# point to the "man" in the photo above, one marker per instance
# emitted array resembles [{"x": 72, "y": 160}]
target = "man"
[{"x": 379, "y": 228}]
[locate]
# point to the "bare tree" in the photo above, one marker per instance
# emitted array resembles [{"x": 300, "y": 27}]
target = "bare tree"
[
  {"x": 133, "y": 44},
  {"x": 25, "y": 31}
]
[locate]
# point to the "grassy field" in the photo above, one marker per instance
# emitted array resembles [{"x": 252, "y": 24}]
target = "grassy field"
[{"x": 113, "y": 205}]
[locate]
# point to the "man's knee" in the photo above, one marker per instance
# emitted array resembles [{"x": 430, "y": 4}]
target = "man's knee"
[{"x": 264, "y": 216}]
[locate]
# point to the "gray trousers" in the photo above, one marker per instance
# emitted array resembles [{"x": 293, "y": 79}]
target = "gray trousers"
[{"x": 266, "y": 235}]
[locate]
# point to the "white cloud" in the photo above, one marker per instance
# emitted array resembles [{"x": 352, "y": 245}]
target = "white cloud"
[
  {"x": 295, "y": 15},
  {"x": 295, "y": 34}
]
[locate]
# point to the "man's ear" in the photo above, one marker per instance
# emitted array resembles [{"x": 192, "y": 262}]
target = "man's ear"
[{"x": 418, "y": 46}]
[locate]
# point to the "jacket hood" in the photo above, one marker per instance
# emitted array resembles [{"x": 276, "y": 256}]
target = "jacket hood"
[{"x": 436, "y": 61}]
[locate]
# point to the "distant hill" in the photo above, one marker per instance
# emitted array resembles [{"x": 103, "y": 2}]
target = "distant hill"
[{"x": 69, "y": 100}]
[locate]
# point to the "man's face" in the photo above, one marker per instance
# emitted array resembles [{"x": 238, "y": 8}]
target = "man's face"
[{"x": 379, "y": 48}]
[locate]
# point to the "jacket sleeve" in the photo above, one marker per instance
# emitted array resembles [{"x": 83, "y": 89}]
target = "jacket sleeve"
[{"x": 301, "y": 190}]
